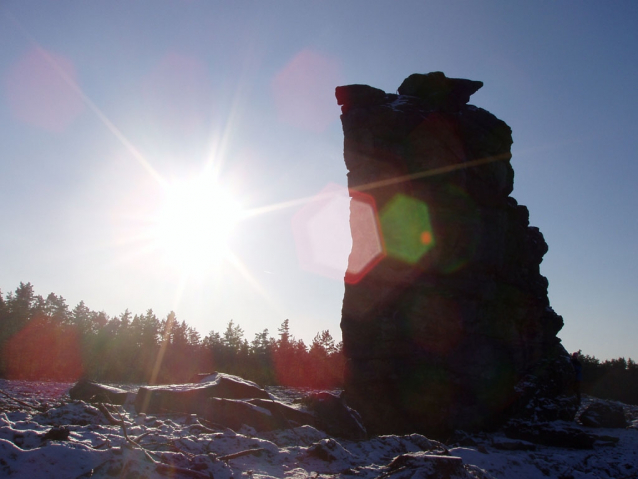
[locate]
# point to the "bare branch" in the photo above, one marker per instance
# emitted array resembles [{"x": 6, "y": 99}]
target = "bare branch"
[
  {"x": 21, "y": 403},
  {"x": 235, "y": 455}
]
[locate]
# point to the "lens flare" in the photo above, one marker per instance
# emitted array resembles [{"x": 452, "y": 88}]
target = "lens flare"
[
  {"x": 38, "y": 91},
  {"x": 304, "y": 90},
  {"x": 407, "y": 230},
  {"x": 322, "y": 236},
  {"x": 368, "y": 247}
]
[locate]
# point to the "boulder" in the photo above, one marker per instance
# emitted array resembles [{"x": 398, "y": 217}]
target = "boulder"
[
  {"x": 190, "y": 398},
  {"x": 359, "y": 95},
  {"x": 544, "y": 395},
  {"x": 329, "y": 450},
  {"x": 293, "y": 417},
  {"x": 600, "y": 414},
  {"x": 85, "y": 390},
  {"x": 233, "y": 387},
  {"x": 439, "y": 91},
  {"x": 234, "y": 413},
  {"x": 333, "y": 416},
  {"x": 57, "y": 433},
  {"x": 422, "y": 464},
  {"x": 513, "y": 445},
  {"x": 556, "y": 434},
  {"x": 448, "y": 325}
]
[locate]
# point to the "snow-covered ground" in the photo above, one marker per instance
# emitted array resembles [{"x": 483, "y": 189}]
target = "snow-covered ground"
[{"x": 45, "y": 435}]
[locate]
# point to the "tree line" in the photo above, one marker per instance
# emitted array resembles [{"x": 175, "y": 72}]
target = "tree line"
[
  {"x": 615, "y": 379},
  {"x": 42, "y": 338}
]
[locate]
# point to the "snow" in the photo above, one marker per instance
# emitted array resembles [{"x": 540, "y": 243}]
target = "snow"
[
  {"x": 86, "y": 445},
  {"x": 401, "y": 100},
  {"x": 207, "y": 381}
]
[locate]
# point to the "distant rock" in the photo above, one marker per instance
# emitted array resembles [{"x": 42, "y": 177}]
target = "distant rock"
[
  {"x": 329, "y": 450},
  {"x": 234, "y": 413},
  {"x": 422, "y": 464},
  {"x": 555, "y": 434},
  {"x": 188, "y": 398},
  {"x": 85, "y": 390},
  {"x": 512, "y": 445},
  {"x": 232, "y": 402},
  {"x": 599, "y": 414}
]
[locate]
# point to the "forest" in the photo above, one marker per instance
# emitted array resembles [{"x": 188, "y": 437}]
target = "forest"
[
  {"x": 42, "y": 338},
  {"x": 615, "y": 379}
]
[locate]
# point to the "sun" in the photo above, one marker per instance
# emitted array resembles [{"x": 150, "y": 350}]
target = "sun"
[{"x": 195, "y": 223}]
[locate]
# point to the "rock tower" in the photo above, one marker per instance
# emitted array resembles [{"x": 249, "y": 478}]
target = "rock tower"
[{"x": 446, "y": 324}]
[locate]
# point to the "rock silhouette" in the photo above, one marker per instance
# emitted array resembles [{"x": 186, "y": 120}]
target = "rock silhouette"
[{"x": 452, "y": 328}]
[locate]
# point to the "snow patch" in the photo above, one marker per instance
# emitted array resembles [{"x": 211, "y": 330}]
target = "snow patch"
[{"x": 175, "y": 445}]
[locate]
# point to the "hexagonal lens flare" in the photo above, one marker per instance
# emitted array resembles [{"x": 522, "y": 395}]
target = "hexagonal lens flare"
[
  {"x": 367, "y": 241},
  {"x": 322, "y": 236},
  {"x": 324, "y": 242},
  {"x": 407, "y": 230}
]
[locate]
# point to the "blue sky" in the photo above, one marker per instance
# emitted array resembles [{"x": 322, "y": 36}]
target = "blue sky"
[{"x": 103, "y": 104}]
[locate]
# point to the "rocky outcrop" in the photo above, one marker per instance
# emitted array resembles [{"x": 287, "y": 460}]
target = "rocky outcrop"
[
  {"x": 232, "y": 401},
  {"x": 452, "y": 328}
]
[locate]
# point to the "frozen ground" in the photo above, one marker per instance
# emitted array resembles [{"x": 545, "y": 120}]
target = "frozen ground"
[{"x": 44, "y": 434}]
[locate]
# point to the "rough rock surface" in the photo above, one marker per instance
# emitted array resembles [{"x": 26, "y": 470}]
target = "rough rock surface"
[
  {"x": 290, "y": 415},
  {"x": 232, "y": 402},
  {"x": 189, "y": 398},
  {"x": 334, "y": 416},
  {"x": 556, "y": 434},
  {"x": 85, "y": 390},
  {"x": 604, "y": 415},
  {"x": 452, "y": 329},
  {"x": 234, "y": 413}
]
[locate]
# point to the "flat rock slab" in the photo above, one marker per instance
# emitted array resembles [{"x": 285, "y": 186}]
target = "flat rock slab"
[
  {"x": 234, "y": 413},
  {"x": 192, "y": 398},
  {"x": 89, "y": 391}
]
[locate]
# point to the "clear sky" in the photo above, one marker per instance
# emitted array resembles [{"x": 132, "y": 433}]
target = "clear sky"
[{"x": 117, "y": 117}]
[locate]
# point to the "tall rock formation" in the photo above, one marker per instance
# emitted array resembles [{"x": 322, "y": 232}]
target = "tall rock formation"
[{"x": 450, "y": 327}]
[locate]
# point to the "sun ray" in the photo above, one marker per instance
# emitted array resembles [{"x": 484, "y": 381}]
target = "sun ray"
[
  {"x": 433, "y": 172},
  {"x": 219, "y": 143},
  {"x": 377, "y": 184},
  {"x": 243, "y": 270}
]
